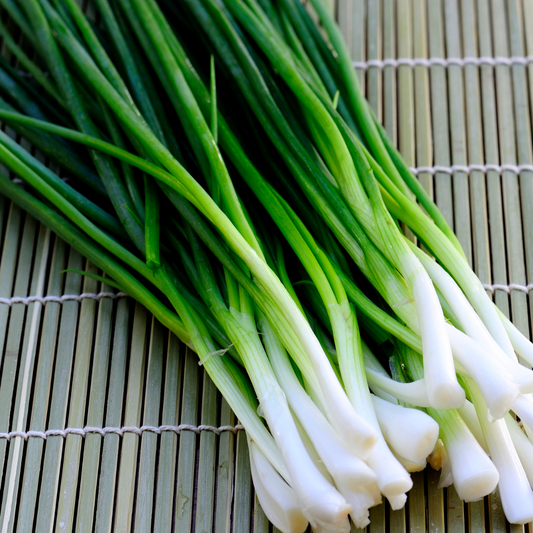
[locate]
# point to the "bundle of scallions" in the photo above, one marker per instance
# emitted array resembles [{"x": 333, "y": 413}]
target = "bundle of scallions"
[{"x": 226, "y": 171}]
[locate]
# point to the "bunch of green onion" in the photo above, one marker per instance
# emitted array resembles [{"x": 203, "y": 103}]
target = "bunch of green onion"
[{"x": 226, "y": 171}]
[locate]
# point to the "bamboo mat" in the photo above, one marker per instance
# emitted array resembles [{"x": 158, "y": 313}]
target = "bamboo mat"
[{"x": 107, "y": 423}]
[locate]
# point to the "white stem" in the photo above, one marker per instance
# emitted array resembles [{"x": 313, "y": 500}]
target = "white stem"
[
  {"x": 361, "y": 499},
  {"x": 515, "y": 491},
  {"x": 523, "y": 407},
  {"x": 410, "y": 466},
  {"x": 319, "y": 500},
  {"x": 392, "y": 478},
  {"x": 372, "y": 362},
  {"x": 345, "y": 467},
  {"x": 277, "y": 499},
  {"x": 313, "y": 454},
  {"x": 343, "y": 415},
  {"x": 469, "y": 415},
  {"x": 523, "y": 446},
  {"x": 414, "y": 392},
  {"x": 474, "y": 475},
  {"x": 411, "y": 433},
  {"x": 521, "y": 344},
  {"x": 347, "y": 345},
  {"x": 444, "y": 391},
  {"x": 398, "y": 501},
  {"x": 463, "y": 310},
  {"x": 472, "y": 324},
  {"x": 495, "y": 383}
]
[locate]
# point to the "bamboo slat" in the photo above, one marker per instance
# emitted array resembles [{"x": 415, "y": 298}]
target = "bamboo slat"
[{"x": 107, "y": 363}]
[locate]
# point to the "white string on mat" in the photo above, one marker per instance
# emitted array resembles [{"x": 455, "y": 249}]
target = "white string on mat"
[
  {"x": 508, "y": 288},
  {"x": 443, "y": 61},
  {"x": 83, "y": 432},
  {"x": 500, "y": 169},
  {"x": 61, "y": 299}
]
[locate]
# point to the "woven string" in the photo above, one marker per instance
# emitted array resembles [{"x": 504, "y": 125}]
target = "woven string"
[
  {"x": 500, "y": 169},
  {"x": 443, "y": 61},
  {"x": 61, "y": 299},
  {"x": 82, "y": 432},
  {"x": 92, "y": 296},
  {"x": 508, "y": 288}
]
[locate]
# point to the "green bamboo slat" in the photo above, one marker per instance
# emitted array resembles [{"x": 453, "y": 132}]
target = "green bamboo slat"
[
  {"x": 507, "y": 144},
  {"x": 243, "y": 486},
  {"x": 95, "y": 415},
  {"x": 344, "y": 19},
  {"x": 15, "y": 333},
  {"x": 42, "y": 390},
  {"x": 206, "y": 459},
  {"x": 225, "y": 462},
  {"x": 490, "y": 139},
  {"x": 132, "y": 416},
  {"x": 439, "y": 112},
  {"x": 51, "y": 465},
  {"x": 416, "y": 504},
  {"x": 406, "y": 106},
  {"x": 476, "y": 516},
  {"x": 406, "y": 112},
  {"x": 524, "y": 198},
  {"x": 169, "y": 440},
  {"x": 357, "y": 41},
  {"x": 22, "y": 406},
  {"x": 424, "y": 151},
  {"x": 390, "y": 111},
  {"x": 398, "y": 519},
  {"x": 151, "y": 417},
  {"x": 3, "y": 210},
  {"x": 507, "y": 123},
  {"x": 77, "y": 406},
  {"x": 374, "y": 43},
  {"x": 526, "y": 186},
  {"x": 261, "y": 523},
  {"x": 7, "y": 279},
  {"x": 455, "y": 512},
  {"x": 461, "y": 195},
  {"x": 497, "y": 522},
  {"x": 435, "y": 502},
  {"x": 527, "y": 20},
  {"x": 474, "y": 132},
  {"x": 113, "y": 418},
  {"x": 377, "y": 519},
  {"x": 183, "y": 513},
  {"x": 517, "y": 528}
]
